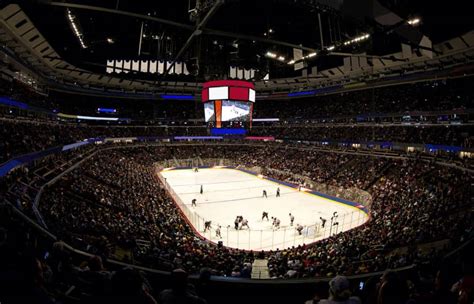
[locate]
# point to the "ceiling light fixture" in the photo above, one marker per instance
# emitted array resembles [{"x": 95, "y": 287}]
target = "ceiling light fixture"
[
  {"x": 271, "y": 55},
  {"x": 414, "y": 21},
  {"x": 75, "y": 28},
  {"x": 357, "y": 39}
]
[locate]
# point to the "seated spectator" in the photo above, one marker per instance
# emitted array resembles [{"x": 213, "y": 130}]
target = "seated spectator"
[
  {"x": 465, "y": 289},
  {"x": 320, "y": 293},
  {"x": 442, "y": 293},
  {"x": 340, "y": 292},
  {"x": 25, "y": 283},
  {"x": 181, "y": 291},
  {"x": 96, "y": 277},
  {"x": 392, "y": 289},
  {"x": 128, "y": 286}
]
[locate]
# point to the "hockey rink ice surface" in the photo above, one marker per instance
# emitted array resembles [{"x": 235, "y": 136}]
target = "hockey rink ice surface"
[{"x": 231, "y": 192}]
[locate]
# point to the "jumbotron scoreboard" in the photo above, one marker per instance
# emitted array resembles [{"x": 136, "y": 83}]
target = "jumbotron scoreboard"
[{"x": 228, "y": 104}]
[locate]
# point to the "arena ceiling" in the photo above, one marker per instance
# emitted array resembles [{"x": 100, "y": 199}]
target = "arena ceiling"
[{"x": 236, "y": 33}]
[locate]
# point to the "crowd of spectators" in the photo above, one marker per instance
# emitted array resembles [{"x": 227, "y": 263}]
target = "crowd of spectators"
[
  {"x": 25, "y": 136},
  {"x": 29, "y": 135},
  {"x": 114, "y": 198},
  {"x": 114, "y": 201},
  {"x": 40, "y": 271},
  {"x": 76, "y": 104},
  {"x": 441, "y": 134},
  {"x": 438, "y": 95},
  {"x": 35, "y": 270},
  {"x": 423, "y": 96}
]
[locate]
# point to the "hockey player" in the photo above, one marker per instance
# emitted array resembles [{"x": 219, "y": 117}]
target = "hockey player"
[
  {"x": 264, "y": 215},
  {"x": 218, "y": 231},
  {"x": 202, "y": 190},
  {"x": 278, "y": 192},
  {"x": 323, "y": 221},
  {"x": 196, "y": 169},
  {"x": 245, "y": 223},
  {"x": 292, "y": 219},
  {"x": 299, "y": 228},
  {"x": 264, "y": 194},
  {"x": 193, "y": 202},
  {"x": 236, "y": 223},
  {"x": 207, "y": 225},
  {"x": 277, "y": 223}
]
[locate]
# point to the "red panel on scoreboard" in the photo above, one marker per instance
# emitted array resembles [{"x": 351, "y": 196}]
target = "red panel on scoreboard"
[
  {"x": 228, "y": 83},
  {"x": 205, "y": 95},
  {"x": 239, "y": 93},
  {"x": 218, "y": 111}
]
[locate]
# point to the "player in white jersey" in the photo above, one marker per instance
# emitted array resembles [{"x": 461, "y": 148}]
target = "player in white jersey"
[
  {"x": 276, "y": 223},
  {"x": 245, "y": 223},
  {"x": 218, "y": 231}
]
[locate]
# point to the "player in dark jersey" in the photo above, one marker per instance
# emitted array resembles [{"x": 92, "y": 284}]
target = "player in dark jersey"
[
  {"x": 264, "y": 194},
  {"x": 278, "y": 192},
  {"x": 202, "y": 190},
  {"x": 299, "y": 228},
  {"x": 323, "y": 221},
  {"x": 264, "y": 215},
  {"x": 292, "y": 219},
  {"x": 207, "y": 225},
  {"x": 193, "y": 202}
]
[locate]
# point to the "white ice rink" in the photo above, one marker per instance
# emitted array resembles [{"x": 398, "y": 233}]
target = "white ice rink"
[{"x": 230, "y": 192}]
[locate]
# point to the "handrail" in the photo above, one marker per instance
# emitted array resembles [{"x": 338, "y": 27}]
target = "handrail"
[{"x": 454, "y": 251}]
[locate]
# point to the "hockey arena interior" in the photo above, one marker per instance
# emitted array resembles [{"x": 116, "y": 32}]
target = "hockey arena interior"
[{"x": 236, "y": 151}]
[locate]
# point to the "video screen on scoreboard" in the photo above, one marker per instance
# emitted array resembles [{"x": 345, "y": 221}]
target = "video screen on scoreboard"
[
  {"x": 209, "y": 113},
  {"x": 235, "y": 110}
]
